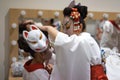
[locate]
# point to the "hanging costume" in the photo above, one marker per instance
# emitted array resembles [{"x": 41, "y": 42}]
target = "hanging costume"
[
  {"x": 113, "y": 66},
  {"x": 110, "y": 33},
  {"x": 110, "y": 44},
  {"x": 117, "y": 34}
]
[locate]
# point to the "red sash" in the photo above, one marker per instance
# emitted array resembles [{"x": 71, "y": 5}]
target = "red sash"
[
  {"x": 97, "y": 73},
  {"x": 115, "y": 25}
]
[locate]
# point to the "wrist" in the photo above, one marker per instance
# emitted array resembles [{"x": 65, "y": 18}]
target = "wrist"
[{"x": 48, "y": 28}]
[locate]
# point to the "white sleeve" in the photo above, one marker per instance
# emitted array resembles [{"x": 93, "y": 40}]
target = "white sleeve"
[
  {"x": 64, "y": 40},
  {"x": 94, "y": 52}
]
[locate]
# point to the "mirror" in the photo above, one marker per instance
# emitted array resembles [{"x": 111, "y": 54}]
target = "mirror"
[{"x": 15, "y": 17}]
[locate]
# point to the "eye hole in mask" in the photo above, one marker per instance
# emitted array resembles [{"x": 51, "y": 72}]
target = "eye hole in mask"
[
  {"x": 67, "y": 25},
  {"x": 34, "y": 42},
  {"x": 40, "y": 36}
]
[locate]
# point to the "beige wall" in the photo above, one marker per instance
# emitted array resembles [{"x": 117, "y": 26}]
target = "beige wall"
[{"x": 93, "y": 5}]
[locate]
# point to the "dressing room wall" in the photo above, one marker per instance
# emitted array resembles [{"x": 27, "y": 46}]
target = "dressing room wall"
[{"x": 5, "y": 5}]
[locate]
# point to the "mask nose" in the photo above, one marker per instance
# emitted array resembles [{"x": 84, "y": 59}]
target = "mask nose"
[{"x": 41, "y": 44}]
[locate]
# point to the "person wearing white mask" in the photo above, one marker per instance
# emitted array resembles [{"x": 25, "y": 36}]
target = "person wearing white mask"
[{"x": 36, "y": 42}]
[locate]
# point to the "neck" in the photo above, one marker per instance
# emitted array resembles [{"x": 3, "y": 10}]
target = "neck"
[{"x": 38, "y": 58}]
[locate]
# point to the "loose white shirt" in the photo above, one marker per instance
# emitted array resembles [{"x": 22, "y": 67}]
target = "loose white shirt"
[{"x": 74, "y": 56}]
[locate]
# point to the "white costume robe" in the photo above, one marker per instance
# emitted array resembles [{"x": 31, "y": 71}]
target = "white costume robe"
[
  {"x": 111, "y": 40},
  {"x": 74, "y": 55},
  {"x": 37, "y": 71},
  {"x": 110, "y": 43},
  {"x": 110, "y": 37},
  {"x": 113, "y": 67},
  {"x": 39, "y": 74}
]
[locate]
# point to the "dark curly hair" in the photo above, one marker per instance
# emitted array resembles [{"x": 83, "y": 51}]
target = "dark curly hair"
[
  {"x": 22, "y": 44},
  {"x": 81, "y": 9}
]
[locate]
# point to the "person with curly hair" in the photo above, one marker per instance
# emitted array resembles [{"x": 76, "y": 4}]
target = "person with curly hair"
[{"x": 35, "y": 42}]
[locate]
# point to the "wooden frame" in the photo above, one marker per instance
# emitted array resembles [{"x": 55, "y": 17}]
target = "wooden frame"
[{"x": 14, "y": 15}]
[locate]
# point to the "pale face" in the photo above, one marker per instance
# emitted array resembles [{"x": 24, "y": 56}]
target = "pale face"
[
  {"x": 36, "y": 40},
  {"x": 68, "y": 26}
]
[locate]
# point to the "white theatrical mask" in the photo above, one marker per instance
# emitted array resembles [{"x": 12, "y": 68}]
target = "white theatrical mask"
[{"x": 35, "y": 38}]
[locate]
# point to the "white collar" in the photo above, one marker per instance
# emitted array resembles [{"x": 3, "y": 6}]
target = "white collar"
[{"x": 84, "y": 34}]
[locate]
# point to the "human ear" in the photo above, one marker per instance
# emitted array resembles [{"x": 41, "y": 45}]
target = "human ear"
[{"x": 80, "y": 28}]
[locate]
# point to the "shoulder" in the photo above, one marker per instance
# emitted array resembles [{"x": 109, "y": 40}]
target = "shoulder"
[{"x": 108, "y": 23}]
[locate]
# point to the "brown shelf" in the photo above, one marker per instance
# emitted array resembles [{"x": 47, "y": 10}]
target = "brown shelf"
[{"x": 14, "y": 78}]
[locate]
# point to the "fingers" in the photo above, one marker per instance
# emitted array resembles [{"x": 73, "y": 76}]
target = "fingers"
[
  {"x": 49, "y": 68},
  {"x": 27, "y": 21}
]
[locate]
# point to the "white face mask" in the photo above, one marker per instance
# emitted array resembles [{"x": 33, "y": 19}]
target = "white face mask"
[{"x": 35, "y": 38}]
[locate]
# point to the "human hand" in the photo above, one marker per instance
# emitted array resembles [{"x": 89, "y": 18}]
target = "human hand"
[
  {"x": 49, "y": 68},
  {"x": 51, "y": 31},
  {"x": 28, "y": 21}
]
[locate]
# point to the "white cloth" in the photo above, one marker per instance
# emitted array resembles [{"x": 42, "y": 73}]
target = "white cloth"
[
  {"x": 113, "y": 67},
  {"x": 39, "y": 74},
  {"x": 109, "y": 37},
  {"x": 74, "y": 55}
]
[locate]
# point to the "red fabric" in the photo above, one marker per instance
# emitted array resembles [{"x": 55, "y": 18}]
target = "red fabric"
[
  {"x": 97, "y": 73},
  {"x": 32, "y": 67},
  {"x": 115, "y": 25}
]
